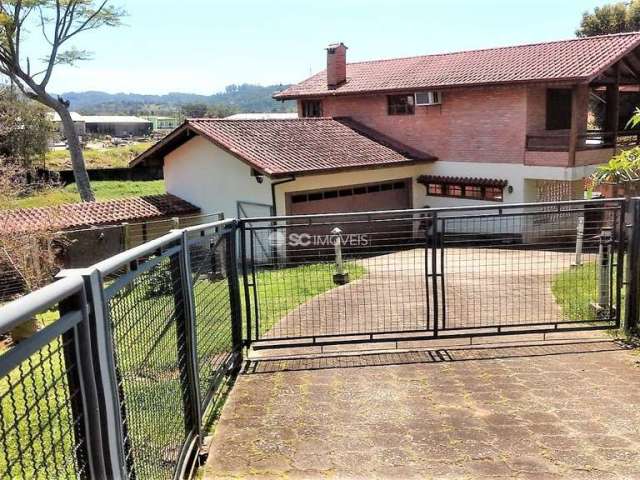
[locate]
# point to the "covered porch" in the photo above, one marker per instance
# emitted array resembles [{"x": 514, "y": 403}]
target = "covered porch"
[{"x": 584, "y": 123}]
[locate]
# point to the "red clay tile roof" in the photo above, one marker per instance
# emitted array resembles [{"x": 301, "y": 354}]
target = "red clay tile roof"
[
  {"x": 578, "y": 59},
  {"x": 290, "y": 147},
  {"x": 77, "y": 215}
]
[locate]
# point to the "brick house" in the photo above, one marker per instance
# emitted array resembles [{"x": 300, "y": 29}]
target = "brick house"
[
  {"x": 514, "y": 117},
  {"x": 514, "y": 124}
]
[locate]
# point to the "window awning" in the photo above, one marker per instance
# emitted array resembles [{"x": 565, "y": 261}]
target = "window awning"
[{"x": 485, "y": 182}]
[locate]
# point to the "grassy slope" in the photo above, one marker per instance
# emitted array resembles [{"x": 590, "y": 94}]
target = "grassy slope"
[
  {"x": 151, "y": 380},
  {"x": 116, "y": 157},
  {"x": 104, "y": 190}
]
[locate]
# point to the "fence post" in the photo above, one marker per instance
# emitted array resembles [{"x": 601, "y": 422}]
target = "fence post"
[
  {"x": 579, "y": 242},
  {"x": 340, "y": 277},
  {"x": 126, "y": 235},
  {"x": 604, "y": 271},
  {"x": 180, "y": 270},
  {"x": 245, "y": 280},
  {"x": 80, "y": 378},
  {"x": 434, "y": 272},
  {"x": 234, "y": 290},
  {"x": 632, "y": 290},
  {"x": 106, "y": 437}
]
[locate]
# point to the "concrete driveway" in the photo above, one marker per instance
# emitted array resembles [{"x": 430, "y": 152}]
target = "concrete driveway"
[
  {"x": 562, "y": 409},
  {"x": 482, "y": 287}
]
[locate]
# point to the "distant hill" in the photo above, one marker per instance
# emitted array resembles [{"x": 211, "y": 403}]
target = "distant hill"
[{"x": 234, "y": 98}]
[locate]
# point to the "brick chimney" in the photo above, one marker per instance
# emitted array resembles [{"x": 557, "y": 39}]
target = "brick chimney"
[{"x": 336, "y": 65}]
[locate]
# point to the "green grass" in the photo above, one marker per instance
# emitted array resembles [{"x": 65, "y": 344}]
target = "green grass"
[
  {"x": 280, "y": 291},
  {"x": 103, "y": 190},
  {"x": 116, "y": 157},
  {"x": 575, "y": 290},
  {"x": 151, "y": 379}
]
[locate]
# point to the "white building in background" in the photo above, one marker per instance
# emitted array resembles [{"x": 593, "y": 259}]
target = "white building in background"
[
  {"x": 114, "y": 125},
  {"x": 262, "y": 116}
]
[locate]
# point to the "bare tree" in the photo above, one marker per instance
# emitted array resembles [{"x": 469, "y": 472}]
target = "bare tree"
[
  {"x": 58, "y": 21},
  {"x": 28, "y": 256}
]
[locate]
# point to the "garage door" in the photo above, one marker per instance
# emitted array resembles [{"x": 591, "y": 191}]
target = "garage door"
[{"x": 392, "y": 195}]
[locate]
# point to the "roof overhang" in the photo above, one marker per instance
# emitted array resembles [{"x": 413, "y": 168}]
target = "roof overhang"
[
  {"x": 629, "y": 63},
  {"x": 154, "y": 156},
  {"x": 390, "y": 91},
  {"x": 485, "y": 182}
]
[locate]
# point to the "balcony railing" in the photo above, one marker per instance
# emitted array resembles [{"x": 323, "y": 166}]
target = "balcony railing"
[{"x": 589, "y": 140}]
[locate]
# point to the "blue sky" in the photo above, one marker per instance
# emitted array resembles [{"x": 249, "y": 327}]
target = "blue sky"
[{"x": 202, "y": 45}]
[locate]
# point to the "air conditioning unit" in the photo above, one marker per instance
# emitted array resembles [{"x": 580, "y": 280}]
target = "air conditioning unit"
[{"x": 428, "y": 98}]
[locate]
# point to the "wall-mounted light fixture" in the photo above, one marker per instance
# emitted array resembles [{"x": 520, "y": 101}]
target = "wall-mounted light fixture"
[{"x": 259, "y": 177}]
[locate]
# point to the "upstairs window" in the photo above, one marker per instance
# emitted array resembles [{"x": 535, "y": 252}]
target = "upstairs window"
[
  {"x": 558, "y": 109},
  {"x": 311, "y": 108},
  {"x": 401, "y": 104}
]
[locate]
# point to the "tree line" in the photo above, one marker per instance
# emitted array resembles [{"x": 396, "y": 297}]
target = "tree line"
[{"x": 234, "y": 99}]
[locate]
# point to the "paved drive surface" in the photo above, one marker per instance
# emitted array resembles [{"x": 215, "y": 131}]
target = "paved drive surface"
[
  {"x": 483, "y": 287},
  {"x": 536, "y": 410}
]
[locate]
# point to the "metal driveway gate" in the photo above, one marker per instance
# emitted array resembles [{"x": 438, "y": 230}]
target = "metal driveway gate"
[{"x": 433, "y": 273}]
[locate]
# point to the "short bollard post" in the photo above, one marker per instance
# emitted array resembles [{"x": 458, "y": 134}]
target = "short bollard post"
[
  {"x": 579, "y": 242},
  {"x": 340, "y": 277},
  {"x": 604, "y": 274}
]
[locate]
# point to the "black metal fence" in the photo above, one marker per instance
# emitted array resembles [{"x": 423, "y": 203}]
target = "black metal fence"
[
  {"x": 122, "y": 380},
  {"x": 420, "y": 274}
]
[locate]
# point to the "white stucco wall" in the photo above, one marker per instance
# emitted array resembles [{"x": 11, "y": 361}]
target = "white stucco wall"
[
  {"x": 214, "y": 180},
  {"x": 516, "y": 175},
  {"x": 211, "y": 178}
]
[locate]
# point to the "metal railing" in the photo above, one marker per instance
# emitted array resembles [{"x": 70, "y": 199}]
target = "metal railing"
[
  {"x": 589, "y": 140},
  {"x": 122, "y": 377}
]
